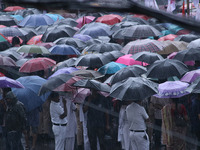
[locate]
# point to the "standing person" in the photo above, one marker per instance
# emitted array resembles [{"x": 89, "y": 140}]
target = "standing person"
[
  {"x": 173, "y": 133},
  {"x": 137, "y": 117},
  {"x": 59, "y": 120},
  {"x": 15, "y": 121}
]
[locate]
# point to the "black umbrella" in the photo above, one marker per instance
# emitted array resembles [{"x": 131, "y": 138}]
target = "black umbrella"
[
  {"x": 159, "y": 27},
  {"x": 147, "y": 57},
  {"x": 113, "y": 55},
  {"x": 133, "y": 88},
  {"x": 30, "y": 32},
  {"x": 7, "y": 20},
  {"x": 135, "y": 19},
  {"x": 187, "y": 38},
  {"x": 124, "y": 73},
  {"x": 92, "y": 60},
  {"x": 93, "y": 41},
  {"x": 41, "y": 30},
  {"x": 79, "y": 44},
  {"x": 26, "y": 12},
  {"x": 162, "y": 69},
  {"x": 92, "y": 84},
  {"x": 50, "y": 36},
  {"x": 12, "y": 31},
  {"x": 4, "y": 45},
  {"x": 91, "y": 74},
  {"x": 66, "y": 21},
  {"x": 188, "y": 55},
  {"x": 124, "y": 24},
  {"x": 103, "y": 47},
  {"x": 11, "y": 53},
  {"x": 194, "y": 87}
]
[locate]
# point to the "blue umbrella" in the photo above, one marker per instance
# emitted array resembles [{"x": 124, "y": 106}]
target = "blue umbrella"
[
  {"x": 64, "y": 50},
  {"x": 36, "y": 20},
  {"x": 111, "y": 68},
  {"x": 29, "y": 95},
  {"x": 17, "y": 17},
  {"x": 55, "y": 17}
]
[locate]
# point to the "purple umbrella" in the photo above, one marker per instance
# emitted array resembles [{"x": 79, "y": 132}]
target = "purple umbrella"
[
  {"x": 172, "y": 89},
  {"x": 191, "y": 76},
  {"x": 65, "y": 70},
  {"x": 6, "y": 82},
  {"x": 82, "y": 37}
]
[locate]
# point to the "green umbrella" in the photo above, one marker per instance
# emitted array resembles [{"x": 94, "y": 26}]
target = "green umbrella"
[
  {"x": 34, "y": 49},
  {"x": 2, "y": 38}
]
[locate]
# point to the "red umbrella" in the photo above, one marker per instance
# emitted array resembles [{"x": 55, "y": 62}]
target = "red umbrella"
[
  {"x": 37, "y": 64},
  {"x": 35, "y": 40},
  {"x": 141, "y": 16},
  {"x": 184, "y": 31},
  {"x": 110, "y": 19},
  {"x": 84, "y": 20},
  {"x": 6, "y": 61},
  {"x": 13, "y": 8},
  {"x": 170, "y": 37}
]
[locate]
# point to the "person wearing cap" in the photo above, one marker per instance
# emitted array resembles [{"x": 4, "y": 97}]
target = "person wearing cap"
[
  {"x": 59, "y": 120},
  {"x": 15, "y": 121},
  {"x": 137, "y": 117}
]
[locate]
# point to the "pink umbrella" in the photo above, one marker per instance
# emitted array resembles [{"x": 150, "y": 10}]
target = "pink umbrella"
[
  {"x": 189, "y": 63},
  {"x": 110, "y": 19},
  {"x": 84, "y": 20},
  {"x": 170, "y": 37},
  {"x": 191, "y": 76},
  {"x": 127, "y": 60},
  {"x": 80, "y": 95}
]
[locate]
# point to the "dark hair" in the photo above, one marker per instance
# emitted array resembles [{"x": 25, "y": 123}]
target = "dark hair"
[
  {"x": 53, "y": 95},
  {"x": 15, "y": 41}
]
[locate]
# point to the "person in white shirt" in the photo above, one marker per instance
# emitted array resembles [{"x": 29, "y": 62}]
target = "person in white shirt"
[
  {"x": 137, "y": 117},
  {"x": 59, "y": 120}
]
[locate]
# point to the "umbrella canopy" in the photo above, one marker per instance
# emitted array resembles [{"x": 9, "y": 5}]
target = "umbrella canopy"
[
  {"x": 92, "y": 84},
  {"x": 35, "y": 40},
  {"x": 162, "y": 69},
  {"x": 124, "y": 73},
  {"x": 194, "y": 86},
  {"x": 29, "y": 95},
  {"x": 67, "y": 63},
  {"x": 130, "y": 18},
  {"x": 6, "y": 61},
  {"x": 92, "y": 60},
  {"x": 194, "y": 44},
  {"x": 27, "y": 12},
  {"x": 6, "y": 82},
  {"x": 147, "y": 57},
  {"x": 191, "y": 76},
  {"x": 159, "y": 27},
  {"x": 3, "y": 38},
  {"x": 20, "y": 62},
  {"x": 13, "y": 8},
  {"x": 172, "y": 89},
  {"x": 80, "y": 95},
  {"x": 127, "y": 60},
  {"x": 77, "y": 43},
  {"x": 37, "y": 64},
  {"x": 187, "y": 38},
  {"x": 103, "y": 47},
  {"x": 121, "y": 25},
  {"x": 189, "y": 54},
  {"x": 64, "y": 50},
  {"x": 11, "y": 53},
  {"x": 36, "y": 20},
  {"x": 30, "y": 33},
  {"x": 111, "y": 68},
  {"x": 4, "y": 45},
  {"x": 84, "y": 20},
  {"x": 91, "y": 74},
  {"x": 65, "y": 70},
  {"x": 170, "y": 37},
  {"x": 7, "y": 20},
  {"x": 66, "y": 21},
  {"x": 55, "y": 17},
  {"x": 133, "y": 88},
  {"x": 113, "y": 55},
  {"x": 82, "y": 37},
  {"x": 142, "y": 45},
  {"x": 110, "y": 19},
  {"x": 17, "y": 17},
  {"x": 12, "y": 31},
  {"x": 33, "y": 49},
  {"x": 48, "y": 45}
]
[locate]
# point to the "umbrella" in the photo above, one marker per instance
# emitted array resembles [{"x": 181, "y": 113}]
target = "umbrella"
[
  {"x": 64, "y": 50},
  {"x": 92, "y": 60},
  {"x": 162, "y": 69},
  {"x": 194, "y": 86},
  {"x": 35, "y": 40},
  {"x": 37, "y": 64},
  {"x": 82, "y": 37},
  {"x": 111, "y": 68},
  {"x": 133, "y": 88},
  {"x": 55, "y": 82},
  {"x": 4, "y": 45},
  {"x": 33, "y": 49},
  {"x": 92, "y": 84},
  {"x": 80, "y": 95},
  {"x": 55, "y": 17},
  {"x": 187, "y": 38},
  {"x": 141, "y": 16},
  {"x": 7, "y": 20},
  {"x": 142, "y": 45},
  {"x": 103, "y": 47},
  {"x": 3, "y": 38},
  {"x": 13, "y": 8},
  {"x": 65, "y": 70},
  {"x": 189, "y": 54},
  {"x": 11, "y": 53},
  {"x": 172, "y": 89},
  {"x": 110, "y": 19},
  {"x": 113, "y": 55},
  {"x": 194, "y": 44},
  {"x": 191, "y": 76},
  {"x": 36, "y": 20},
  {"x": 147, "y": 57},
  {"x": 66, "y": 21},
  {"x": 20, "y": 62},
  {"x": 41, "y": 29},
  {"x": 84, "y": 20},
  {"x": 17, "y": 17},
  {"x": 124, "y": 73},
  {"x": 67, "y": 63},
  {"x": 12, "y": 31},
  {"x": 51, "y": 36},
  {"x": 6, "y": 61},
  {"x": 6, "y": 82},
  {"x": 29, "y": 95},
  {"x": 159, "y": 27},
  {"x": 27, "y": 12},
  {"x": 130, "y": 18},
  {"x": 121, "y": 25},
  {"x": 48, "y": 45},
  {"x": 91, "y": 74},
  {"x": 77, "y": 43},
  {"x": 170, "y": 37},
  {"x": 127, "y": 60},
  {"x": 30, "y": 32}
]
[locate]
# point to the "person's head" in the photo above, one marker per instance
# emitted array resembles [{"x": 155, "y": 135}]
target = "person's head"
[
  {"x": 15, "y": 41},
  {"x": 10, "y": 98},
  {"x": 54, "y": 96},
  {"x": 5, "y": 91}
]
